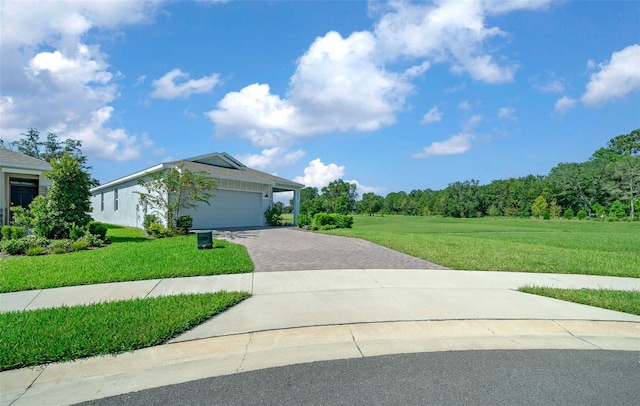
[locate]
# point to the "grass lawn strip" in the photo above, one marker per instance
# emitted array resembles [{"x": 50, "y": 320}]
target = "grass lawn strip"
[
  {"x": 518, "y": 245},
  {"x": 34, "y": 337},
  {"x": 130, "y": 257},
  {"x": 619, "y": 300}
]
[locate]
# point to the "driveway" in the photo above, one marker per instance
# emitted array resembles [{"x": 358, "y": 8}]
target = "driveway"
[{"x": 294, "y": 249}]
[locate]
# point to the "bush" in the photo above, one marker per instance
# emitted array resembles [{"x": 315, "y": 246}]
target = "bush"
[
  {"x": 546, "y": 215},
  {"x": 183, "y": 224},
  {"x": 321, "y": 220},
  {"x": 79, "y": 245},
  {"x": 158, "y": 230},
  {"x": 568, "y": 214},
  {"x": 34, "y": 251},
  {"x": 60, "y": 246},
  {"x": 12, "y": 232},
  {"x": 98, "y": 229},
  {"x": 582, "y": 214},
  {"x": 14, "y": 247},
  {"x": 148, "y": 219},
  {"x": 304, "y": 220},
  {"x": 273, "y": 215},
  {"x": 76, "y": 232},
  {"x": 92, "y": 240}
]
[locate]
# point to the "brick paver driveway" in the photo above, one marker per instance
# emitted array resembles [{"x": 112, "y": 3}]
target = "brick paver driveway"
[{"x": 292, "y": 249}]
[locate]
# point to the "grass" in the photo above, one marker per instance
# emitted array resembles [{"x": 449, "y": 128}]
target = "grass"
[
  {"x": 61, "y": 334},
  {"x": 619, "y": 300},
  {"x": 131, "y": 256},
  {"x": 520, "y": 245}
]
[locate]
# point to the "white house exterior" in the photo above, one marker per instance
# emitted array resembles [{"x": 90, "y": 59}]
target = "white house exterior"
[
  {"x": 241, "y": 198},
  {"x": 22, "y": 178}
]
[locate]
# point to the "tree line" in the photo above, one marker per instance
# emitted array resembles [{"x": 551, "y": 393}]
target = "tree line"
[{"x": 606, "y": 185}]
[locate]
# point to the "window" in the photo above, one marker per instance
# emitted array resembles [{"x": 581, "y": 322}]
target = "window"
[
  {"x": 115, "y": 200},
  {"x": 102, "y": 201}
]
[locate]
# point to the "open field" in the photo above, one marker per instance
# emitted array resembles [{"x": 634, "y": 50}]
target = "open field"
[
  {"x": 66, "y": 333},
  {"x": 498, "y": 244},
  {"x": 131, "y": 256}
]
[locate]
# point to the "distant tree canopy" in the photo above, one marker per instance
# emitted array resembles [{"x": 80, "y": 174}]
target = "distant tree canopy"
[
  {"x": 51, "y": 148},
  {"x": 606, "y": 184}
]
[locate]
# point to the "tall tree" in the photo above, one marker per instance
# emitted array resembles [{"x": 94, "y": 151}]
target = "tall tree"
[
  {"x": 626, "y": 144},
  {"x": 370, "y": 203},
  {"x": 52, "y": 148},
  {"x": 340, "y": 197},
  {"x": 625, "y": 182},
  {"x": 174, "y": 190}
]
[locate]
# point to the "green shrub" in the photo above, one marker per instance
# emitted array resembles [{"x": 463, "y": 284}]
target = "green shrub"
[
  {"x": 304, "y": 220},
  {"x": 546, "y": 215},
  {"x": 568, "y": 214},
  {"x": 60, "y": 246},
  {"x": 98, "y": 229},
  {"x": 12, "y": 232},
  {"x": 273, "y": 215},
  {"x": 92, "y": 240},
  {"x": 334, "y": 219},
  {"x": 148, "y": 219},
  {"x": 79, "y": 245},
  {"x": 6, "y": 233},
  {"x": 14, "y": 247},
  {"x": 34, "y": 251},
  {"x": 582, "y": 214},
  {"x": 76, "y": 232},
  {"x": 158, "y": 230},
  {"x": 183, "y": 224}
]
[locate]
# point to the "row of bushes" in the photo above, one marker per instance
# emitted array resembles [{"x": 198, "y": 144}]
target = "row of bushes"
[
  {"x": 15, "y": 241},
  {"x": 325, "y": 221},
  {"x": 155, "y": 228}
]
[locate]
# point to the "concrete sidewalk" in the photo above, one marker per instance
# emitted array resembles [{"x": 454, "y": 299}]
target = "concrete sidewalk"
[{"x": 306, "y": 316}]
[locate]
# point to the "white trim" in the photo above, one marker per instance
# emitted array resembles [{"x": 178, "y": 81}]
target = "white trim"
[
  {"x": 223, "y": 156},
  {"x": 131, "y": 177}
]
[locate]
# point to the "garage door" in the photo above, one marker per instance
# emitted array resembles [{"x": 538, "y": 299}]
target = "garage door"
[{"x": 230, "y": 209}]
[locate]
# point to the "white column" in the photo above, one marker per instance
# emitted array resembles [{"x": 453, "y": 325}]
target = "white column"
[{"x": 296, "y": 206}]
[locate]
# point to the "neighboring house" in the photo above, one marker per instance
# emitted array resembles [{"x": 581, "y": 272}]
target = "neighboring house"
[
  {"x": 241, "y": 198},
  {"x": 22, "y": 178}
]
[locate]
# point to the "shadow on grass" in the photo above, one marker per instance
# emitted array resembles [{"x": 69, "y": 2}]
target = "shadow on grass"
[{"x": 116, "y": 239}]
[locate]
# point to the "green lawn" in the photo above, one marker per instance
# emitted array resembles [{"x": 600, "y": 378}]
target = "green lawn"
[
  {"x": 130, "y": 256},
  {"x": 51, "y": 335},
  {"x": 498, "y": 244},
  {"x": 622, "y": 301}
]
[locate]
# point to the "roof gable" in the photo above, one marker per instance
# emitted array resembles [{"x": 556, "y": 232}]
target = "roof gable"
[
  {"x": 19, "y": 160},
  {"x": 221, "y": 159}
]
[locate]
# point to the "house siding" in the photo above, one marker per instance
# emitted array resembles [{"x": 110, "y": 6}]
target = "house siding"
[{"x": 129, "y": 212}]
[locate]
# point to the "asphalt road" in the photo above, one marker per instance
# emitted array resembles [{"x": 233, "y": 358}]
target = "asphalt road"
[{"x": 532, "y": 377}]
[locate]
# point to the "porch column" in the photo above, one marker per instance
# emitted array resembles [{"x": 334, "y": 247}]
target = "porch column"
[{"x": 296, "y": 206}]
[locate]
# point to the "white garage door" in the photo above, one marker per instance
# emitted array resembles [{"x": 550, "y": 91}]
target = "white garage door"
[{"x": 230, "y": 209}]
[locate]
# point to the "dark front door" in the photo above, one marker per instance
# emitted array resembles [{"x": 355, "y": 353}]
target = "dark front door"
[{"x": 23, "y": 191}]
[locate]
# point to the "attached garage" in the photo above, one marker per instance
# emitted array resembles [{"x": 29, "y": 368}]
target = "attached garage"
[
  {"x": 241, "y": 197},
  {"x": 230, "y": 209}
]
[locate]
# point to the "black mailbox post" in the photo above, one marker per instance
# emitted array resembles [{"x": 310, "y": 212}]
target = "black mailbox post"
[{"x": 205, "y": 239}]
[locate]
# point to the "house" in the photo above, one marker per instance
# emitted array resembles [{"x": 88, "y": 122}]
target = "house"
[
  {"x": 22, "y": 178},
  {"x": 241, "y": 197}
]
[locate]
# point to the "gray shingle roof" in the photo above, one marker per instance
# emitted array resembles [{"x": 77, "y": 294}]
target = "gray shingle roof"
[
  {"x": 20, "y": 160},
  {"x": 240, "y": 174}
]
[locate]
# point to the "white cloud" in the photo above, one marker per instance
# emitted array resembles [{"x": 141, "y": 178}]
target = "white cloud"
[
  {"x": 457, "y": 144},
  {"x": 506, "y": 113},
  {"x": 615, "y": 79},
  {"x": 319, "y": 175},
  {"x": 58, "y": 83},
  {"x": 271, "y": 158},
  {"x": 432, "y": 116},
  {"x": 174, "y": 85},
  {"x": 464, "y": 106},
  {"x": 564, "y": 104},
  {"x": 360, "y": 82},
  {"x": 554, "y": 86},
  {"x": 362, "y": 189}
]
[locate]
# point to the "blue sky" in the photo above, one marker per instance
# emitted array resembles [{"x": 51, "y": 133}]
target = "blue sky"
[{"x": 392, "y": 95}]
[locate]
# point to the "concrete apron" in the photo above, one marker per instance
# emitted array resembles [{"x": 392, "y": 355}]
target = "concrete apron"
[{"x": 298, "y": 317}]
